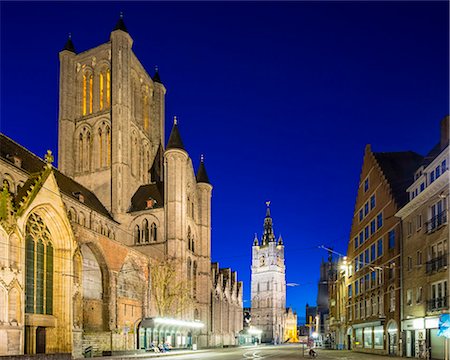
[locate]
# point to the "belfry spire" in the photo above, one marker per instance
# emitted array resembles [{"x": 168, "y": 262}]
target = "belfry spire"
[{"x": 268, "y": 235}]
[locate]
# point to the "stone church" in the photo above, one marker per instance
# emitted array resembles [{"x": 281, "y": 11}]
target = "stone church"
[
  {"x": 80, "y": 243},
  {"x": 268, "y": 288}
]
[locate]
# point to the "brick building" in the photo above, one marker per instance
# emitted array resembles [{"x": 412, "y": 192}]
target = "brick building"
[
  {"x": 373, "y": 255},
  {"x": 425, "y": 249}
]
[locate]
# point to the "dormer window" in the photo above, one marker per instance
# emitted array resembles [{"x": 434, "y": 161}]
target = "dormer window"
[
  {"x": 17, "y": 161},
  {"x": 151, "y": 203},
  {"x": 79, "y": 196}
]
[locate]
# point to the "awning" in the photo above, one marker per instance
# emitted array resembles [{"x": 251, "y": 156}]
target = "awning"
[
  {"x": 367, "y": 324},
  {"x": 169, "y": 322}
]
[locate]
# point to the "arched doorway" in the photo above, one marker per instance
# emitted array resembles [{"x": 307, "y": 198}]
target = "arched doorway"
[{"x": 392, "y": 331}]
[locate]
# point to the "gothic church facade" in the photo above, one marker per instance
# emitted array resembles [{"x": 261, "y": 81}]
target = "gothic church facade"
[{"x": 80, "y": 242}]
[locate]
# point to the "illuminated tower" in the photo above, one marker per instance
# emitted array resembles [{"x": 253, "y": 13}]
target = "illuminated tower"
[
  {"x": 111, "y": 118},
  {"x": 268, "y": 283}
]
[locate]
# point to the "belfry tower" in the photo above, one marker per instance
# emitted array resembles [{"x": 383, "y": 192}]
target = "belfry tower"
[{"x": 268, "y": 283}]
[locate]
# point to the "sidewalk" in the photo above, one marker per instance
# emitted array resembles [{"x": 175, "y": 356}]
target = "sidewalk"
[{"x": 148, "y": 354}]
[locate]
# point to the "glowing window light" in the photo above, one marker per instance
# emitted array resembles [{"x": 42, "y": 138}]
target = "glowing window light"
[
  {"x": 175, "y": 322},
  {"x": 254, "y": 331}
]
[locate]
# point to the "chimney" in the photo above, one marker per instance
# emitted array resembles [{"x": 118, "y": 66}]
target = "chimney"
[{"x": 444, "y": 132}]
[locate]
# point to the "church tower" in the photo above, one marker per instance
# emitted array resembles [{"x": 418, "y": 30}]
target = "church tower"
[
  {"x": 111, "y": 119},
  {"x": 268, "y": 283}
]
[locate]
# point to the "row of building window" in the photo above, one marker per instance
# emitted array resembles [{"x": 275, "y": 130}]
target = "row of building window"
[
  {"x": 97, "y": 226},
  {"x": 372, "y": 306},
  {"x": 375, "y": 225},
  {"x": 98, "y": 144},
  {"x": 145, "y": 234},
  {"x": 192, "y": 276},
  {"x": 432, "y": 176},
  {"x": 104, "y": 91},
  {"x": 367, "y": 208}
]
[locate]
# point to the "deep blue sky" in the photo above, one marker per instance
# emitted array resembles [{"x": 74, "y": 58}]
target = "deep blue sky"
[{"x": 280, "y": 97}]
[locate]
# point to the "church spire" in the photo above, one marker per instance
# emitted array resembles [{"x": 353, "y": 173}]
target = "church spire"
[
  {"x": 175, "y": 141},
  {"x": 120, "y": 25},
  {"x": 268, "y": 235},
  {"x": 69, "y": 45},
  {"x": 202, "y": 176},
  {"x": 156, "y": 77}
]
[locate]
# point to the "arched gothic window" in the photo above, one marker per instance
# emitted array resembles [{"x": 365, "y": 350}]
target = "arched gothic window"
[
  {"x": 105, "y": 88},
  {"x": 194, "y": 279},
  {"x": 137, "y": 235},
  {"x": 77, "y": 266},
  {"x": 146, "y": 232},
  {"x": 189, "y": 238},
  {"x": 39, "y": 267},
  {"x": 108, "y": 88},
  {"x": 153, "y": 232},
  {"x": 14, "y": 252},
  {"x": 134, "y": 155},
  {"x": 146, "y": 108},
  {"x": 108, "y": 146},
  {"x": 82, "y": 219},
  {"x": 100, "y": 148},
  {"x": 189, "y": 268},
  {"x": 3, "y": 303},
  {"x": 88, "y": 86},
  {"x": 84, "y": 150},
  {"x": 14, "y": 308}
]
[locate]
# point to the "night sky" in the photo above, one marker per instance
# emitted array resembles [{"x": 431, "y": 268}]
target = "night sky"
[{"x": 280, "y": 97}]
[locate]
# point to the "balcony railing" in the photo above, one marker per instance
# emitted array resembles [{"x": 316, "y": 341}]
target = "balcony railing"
[
  {"x": 437, "y": 263},
  {"x": 437, "y": 304},
  {"x": 436, "y": 222}
]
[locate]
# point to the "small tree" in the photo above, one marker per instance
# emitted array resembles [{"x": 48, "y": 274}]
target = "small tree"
[{"x": 171, "y": 292}]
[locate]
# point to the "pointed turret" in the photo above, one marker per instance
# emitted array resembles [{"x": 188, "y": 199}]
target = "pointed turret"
[
  {"x": 120, "y": 25},
  {"x": 69, "y": 45},
  {"x": 280, "y": 240},
  {"x": 256, "y": 241},
  {"x": 156, "y": 77},
  {"x": 202, "y": 176},
  {"x": 175, "y": 141},
  {"x": 268, "y": 235}
]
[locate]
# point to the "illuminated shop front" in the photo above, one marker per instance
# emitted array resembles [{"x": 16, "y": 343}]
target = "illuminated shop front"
[
  {"x": 250, "y": 336},
  {"x": 172, "y": 332},
  {"x": 421, "y": 334}
]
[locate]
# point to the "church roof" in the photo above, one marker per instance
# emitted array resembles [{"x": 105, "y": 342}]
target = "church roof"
[
  {"x": 146, "y": 197},
  {"x": 175, "y": 141},
  {"x": 202, "y": 176},
  {"x": 32, "y": 164},
  {"x": 69, "y": 45},
  {"x": 399, "y": 168},
  {"x": 120, "y": 25}
]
